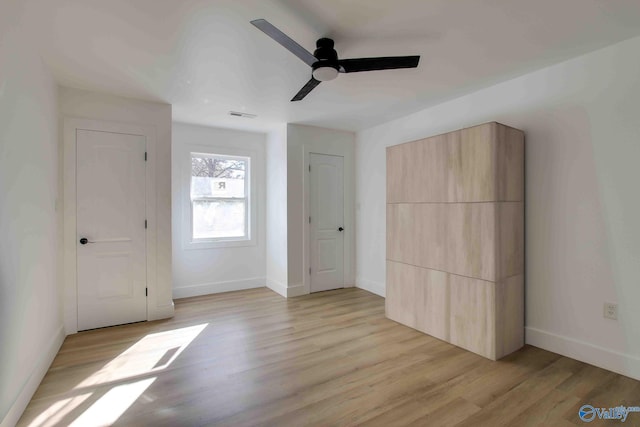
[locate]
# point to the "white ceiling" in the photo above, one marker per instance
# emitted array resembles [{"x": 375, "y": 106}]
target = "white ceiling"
[{"x": 205, "y": 58}]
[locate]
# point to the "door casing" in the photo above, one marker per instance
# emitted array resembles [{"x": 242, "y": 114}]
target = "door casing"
[
  {"x": 314, "y": 221},
  {"x": 349, "y": 215},
  {"x": 71, "y": 125}
]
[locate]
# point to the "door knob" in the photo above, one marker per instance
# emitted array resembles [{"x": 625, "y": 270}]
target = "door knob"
[
  {"x": 84, "y": 241},
  {"x": 340, "y": 229}
]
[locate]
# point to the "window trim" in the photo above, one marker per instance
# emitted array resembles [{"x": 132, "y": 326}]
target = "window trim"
[{"x": 187, "y": 206}]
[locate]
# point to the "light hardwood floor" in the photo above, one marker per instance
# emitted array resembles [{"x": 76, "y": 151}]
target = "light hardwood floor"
[{"x": 332, "y": 359}]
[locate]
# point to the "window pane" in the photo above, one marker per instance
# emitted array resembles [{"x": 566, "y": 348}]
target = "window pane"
[
  {"x": 218, "y": 218},
  {"x": 217, "y": 176}
]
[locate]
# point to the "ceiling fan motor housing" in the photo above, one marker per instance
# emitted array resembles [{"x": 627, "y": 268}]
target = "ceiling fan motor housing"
[
  {"x": 326, "y": 68},
  {"x": 325, "y": 51}
]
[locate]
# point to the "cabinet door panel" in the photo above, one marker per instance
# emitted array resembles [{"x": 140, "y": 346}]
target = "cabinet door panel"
[{"x": 457, "y": 238}]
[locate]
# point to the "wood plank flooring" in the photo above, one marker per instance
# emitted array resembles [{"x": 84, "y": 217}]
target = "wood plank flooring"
[{"x": 329, "y": 359}]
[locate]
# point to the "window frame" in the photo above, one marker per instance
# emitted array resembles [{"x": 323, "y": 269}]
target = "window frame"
[{"x": 249, "y": 239}]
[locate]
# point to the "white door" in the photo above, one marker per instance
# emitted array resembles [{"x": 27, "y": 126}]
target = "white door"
[
  {"x": 111, "y": 246},
  {"x": 326, "y": 205}
]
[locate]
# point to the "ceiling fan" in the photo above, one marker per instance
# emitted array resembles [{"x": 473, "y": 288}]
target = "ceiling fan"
[{"x": 324, "y": 61}]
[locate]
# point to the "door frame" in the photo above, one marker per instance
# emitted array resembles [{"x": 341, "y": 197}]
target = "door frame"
[
  {"x": 348, "y": 217},
  {"x": 70, "y": 283},
  {"x": 308, "y": 225}
]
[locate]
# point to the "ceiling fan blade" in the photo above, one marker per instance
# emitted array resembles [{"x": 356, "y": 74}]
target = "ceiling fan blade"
[
  {"x": 382, "y": 63},
  {"x": 311, "y": 84},
  {"x": 286, "y": 41}
]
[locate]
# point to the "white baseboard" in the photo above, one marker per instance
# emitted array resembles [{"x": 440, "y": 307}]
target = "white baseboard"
[
  {"x": 296, "y": 290},
  {"x": 621, "y": 363},
  {"x": 287, "y": 291},
  {"x": 31, "y": 384},
  {"x": 215, "y": 288},
  {"x": 162, "y": 312},
  {"x": 371, "y": 286},
  {"x": 277, "y": 287}
]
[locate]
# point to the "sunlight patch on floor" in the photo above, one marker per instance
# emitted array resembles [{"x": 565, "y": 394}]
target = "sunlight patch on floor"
[
  {"x": 106, "y": 410},
  {"x": 56, "y": 412},
  {"x": 146, "y": 356},
  {"x": 138, "y": 364}
]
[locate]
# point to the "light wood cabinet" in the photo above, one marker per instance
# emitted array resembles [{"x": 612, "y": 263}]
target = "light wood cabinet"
[{"x": 455, "y": 237}]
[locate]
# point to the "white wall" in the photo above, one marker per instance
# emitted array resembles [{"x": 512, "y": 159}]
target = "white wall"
[
  {"x": 581, "y": 120},
  {"x": 302, "y": 140},
  {"x": 91, "y": 105},
  {"x": 30, "y": 307},
  {"x": 276, "y": 221},
  {"x": 204, "y": 271}
]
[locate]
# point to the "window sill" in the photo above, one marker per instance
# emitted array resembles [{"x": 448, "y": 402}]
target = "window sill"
[{"x": 218, "y": 244}]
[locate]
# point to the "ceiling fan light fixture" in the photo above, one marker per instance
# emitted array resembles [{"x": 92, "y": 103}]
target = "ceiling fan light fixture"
[{"x": 325, "y": 73}]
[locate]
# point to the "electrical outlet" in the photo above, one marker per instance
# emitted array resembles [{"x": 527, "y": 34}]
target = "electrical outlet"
[{"x": 610, "y": 311}]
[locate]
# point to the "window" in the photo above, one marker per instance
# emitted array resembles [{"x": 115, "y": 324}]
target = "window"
[{"x": 219, "y": 196}]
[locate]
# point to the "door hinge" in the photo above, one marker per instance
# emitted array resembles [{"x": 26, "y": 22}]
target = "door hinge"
[
  {"x": 146, "y": 292},
  {"x": 145, "y": 223},
  {"x": 309, "y": 220},
  {"x": 309, "y": 168},
  {"x": 145, "y": 156},
  {"x": 309, "y": 271}
]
